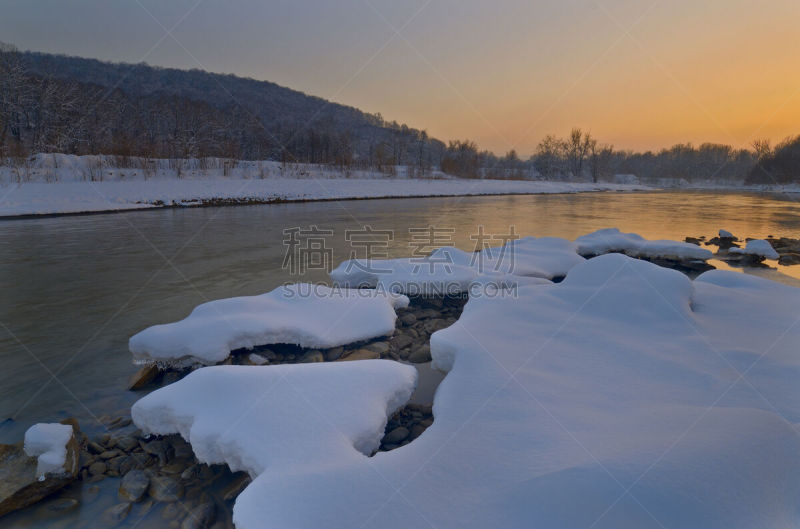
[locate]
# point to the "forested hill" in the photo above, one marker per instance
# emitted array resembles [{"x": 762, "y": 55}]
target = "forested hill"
[{"x": 77, "y": 105}]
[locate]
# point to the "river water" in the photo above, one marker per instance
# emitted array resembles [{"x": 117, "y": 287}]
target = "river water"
[{"x": 74, "y": 289}]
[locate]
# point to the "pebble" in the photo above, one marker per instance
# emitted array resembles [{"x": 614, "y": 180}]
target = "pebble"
[
  {"x": 379, "y": 347},
  {"x": 200, "y": 517},
  {"x": 110, "y": 454},
  {"x": 257, "y": 359},
  {"x": 165, "y": 489},
  {"x": 408, "y": 319},
  {"x": 98, "y": 468},
  {"x": 133, "y": 486},
  {"x": 361, "y": 354},
  {"x": 395, "y": 436},
  {"x": 402, "y": 340},
  {"x": 420, "y": 355},
  {"x": 116, "y": 513}
]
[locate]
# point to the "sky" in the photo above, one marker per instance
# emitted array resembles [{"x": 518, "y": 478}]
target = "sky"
[{"x": 638, "y": 74}]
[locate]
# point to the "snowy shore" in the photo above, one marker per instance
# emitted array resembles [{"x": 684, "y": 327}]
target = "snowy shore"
[{"x": 60, "y": 184}]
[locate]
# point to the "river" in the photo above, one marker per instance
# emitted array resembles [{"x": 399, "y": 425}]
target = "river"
[{"x": 74, "y": 289}]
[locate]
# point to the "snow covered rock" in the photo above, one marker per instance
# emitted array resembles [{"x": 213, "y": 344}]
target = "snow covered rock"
[
  {"x": 280, "y": 422},
  {"x": 725, "y": 234},
  {"x": 48, "y": 443},
  {"x": 304, "y": 314},
  {"x": 450, "y": 271},
  {"x": 45, "y": 463},
  {"x": 612, "y": 240},
  {"x": 757, "y": 248},
  {"x": 625, "y": 396}
]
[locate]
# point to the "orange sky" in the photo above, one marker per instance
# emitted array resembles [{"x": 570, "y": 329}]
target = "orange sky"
[{"x": 638, "y": 74}]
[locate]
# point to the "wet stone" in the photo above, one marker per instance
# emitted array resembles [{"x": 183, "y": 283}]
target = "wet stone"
[
  {"x": 133, "y": 486},
  {"x": 115, "y": 514},
  {"x": 165, "y": 489}
]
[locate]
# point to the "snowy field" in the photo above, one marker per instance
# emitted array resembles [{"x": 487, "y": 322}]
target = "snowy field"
[
  {"x": 626, "y": 395},
  {"x": 52, "y": 184}
]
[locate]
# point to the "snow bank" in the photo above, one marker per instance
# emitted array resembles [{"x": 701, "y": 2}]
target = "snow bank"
[
  {"x": 48, "y": 442},
  {"x": 451, "y": 271},
  {"x": 612, "y": 240},
  {"x": 75, "y": 184},
  {"x": 625, "y": 396},
  {"x": 303, "y": 314},
  {"x": 758, "y": 248},
  {"x": 283, "y": 419}
]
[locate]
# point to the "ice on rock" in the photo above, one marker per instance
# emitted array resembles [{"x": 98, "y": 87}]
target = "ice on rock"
[
  {"x": 308, "y": 315},
  {"x": 626, "y": 396},
  {"x": 48, "y": 443},
  {"x": 757, "y": 248},
  {"x": 725, "y": 234},
  {"x": 612, "y": 240}
]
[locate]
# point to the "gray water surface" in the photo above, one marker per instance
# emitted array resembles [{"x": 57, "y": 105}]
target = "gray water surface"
[{"x": 74, "y": 289}]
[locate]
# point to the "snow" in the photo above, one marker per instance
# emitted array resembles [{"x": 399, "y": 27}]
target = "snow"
[
  {"x": 304, "y": 314},
  {"x": 725, "y": 234},
  {"x": 612, "y": 240},
  {"x": 76, "y": 184},
  {"x": 279, "y": 420},
  {"x": 625, "y": 396},
  {"x": 757, "y": 247},
  {"x": 48, "y": 442},
  {"x": 451, "y": 271}
]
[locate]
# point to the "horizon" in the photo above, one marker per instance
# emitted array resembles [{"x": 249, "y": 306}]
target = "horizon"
[{"x": 481, "y": 95}]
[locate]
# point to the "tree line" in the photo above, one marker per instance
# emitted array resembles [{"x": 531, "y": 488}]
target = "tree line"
[{"x": 51, "y": 103}]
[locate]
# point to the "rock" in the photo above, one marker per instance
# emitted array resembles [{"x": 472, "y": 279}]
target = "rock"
[
  {"x": 98, "y": 468},
  {"x": 312, "y": 356},
  {"x": 361, "y": 354},
  {"x": 143, "y": 377},
  {"x": 171, "y": 510},
  {"x": 236, "y": 487},
  {"x": 116, "y": 513},
  {"x": 109, "y": 454},
  {"x": 434, "y": 325},
  {"x": 95, "y": 448},
  {"x": 395, "y": 436},
  {"x": 257, "y": 359},
  {"x": 401, "y": 340},
  {"x": 127, "y": 443},
  {"x": 379, "y": 347},
  {"x": 789, "y": 259},
  {"x": 692, "y": 240},
  {"x": 133, "y": 486},
  {"x": 268, "y": 354},
  {"x": 165, "y": 489},
  {"x": 158, "y": 448},
  {"x": 408, "y": 319},
  {"x": 200, "y": 517},
  {"x": 334, "y": 353},
  {"x": 417, "y": 430},
  {"x": 420, "y": 355}
]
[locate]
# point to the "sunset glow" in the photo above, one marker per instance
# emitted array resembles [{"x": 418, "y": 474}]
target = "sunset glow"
[{"x": 639, "y": 75}]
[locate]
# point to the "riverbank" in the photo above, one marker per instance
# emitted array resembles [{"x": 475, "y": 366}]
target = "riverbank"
[{"x": 30, "y": 199}]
